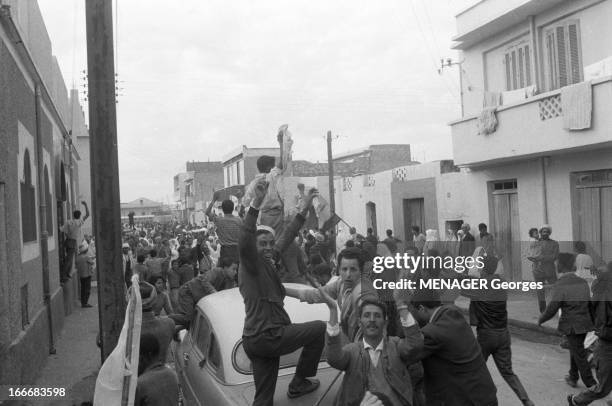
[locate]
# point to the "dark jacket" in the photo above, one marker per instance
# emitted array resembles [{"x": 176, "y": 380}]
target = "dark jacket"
[
  {"x": 601, "y": 306},
  {"x": 571, "y": 295},
  {"x": 467, "y": 245},
  {"x": 258, "y": 279},
  {"x": 354, "y": 360},
  {"x": 188, "y": 297},
  {"x": 157, "y": 386},
  {"x": 455, "y": 371},
  {"x": 488, "y": 307}
]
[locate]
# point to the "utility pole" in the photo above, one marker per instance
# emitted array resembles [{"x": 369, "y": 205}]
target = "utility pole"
[
  {"x": 332, "y": 196},
  {"x": 105, "y": 171}
]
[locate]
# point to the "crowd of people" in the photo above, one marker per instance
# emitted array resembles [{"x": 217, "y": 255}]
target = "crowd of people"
[{"x": 395, "y": 346}]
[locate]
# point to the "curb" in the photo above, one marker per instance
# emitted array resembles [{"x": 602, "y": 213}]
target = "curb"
[{"x": 526, "y": 325}]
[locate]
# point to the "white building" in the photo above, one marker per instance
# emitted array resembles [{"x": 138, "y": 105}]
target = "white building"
[{"x": 532, "y": 170}]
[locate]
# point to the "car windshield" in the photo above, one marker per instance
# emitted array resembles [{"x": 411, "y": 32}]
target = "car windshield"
[{"x": 242, "y": 363}]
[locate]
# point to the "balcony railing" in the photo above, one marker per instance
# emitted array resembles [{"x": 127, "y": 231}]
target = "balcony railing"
[{"x": 533, "y": 127}]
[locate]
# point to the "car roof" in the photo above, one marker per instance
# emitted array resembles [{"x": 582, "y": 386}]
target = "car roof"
[{"x": 225, "y": 312}]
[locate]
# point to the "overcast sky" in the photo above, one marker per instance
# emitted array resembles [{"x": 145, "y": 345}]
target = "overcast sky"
[{"x": 200, "y": 78}]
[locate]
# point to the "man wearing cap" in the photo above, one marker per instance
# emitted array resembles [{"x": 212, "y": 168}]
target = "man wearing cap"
[
  {"x": 268, "y": 332},
  {"x": 544, "y": 256}
]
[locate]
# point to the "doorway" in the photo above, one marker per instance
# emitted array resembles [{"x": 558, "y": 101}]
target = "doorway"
[
  {"x": 593, "y": 213},
  {"x": 371, "y": 217},
  {"x": 414, "y": 215},
  {"x": 505, "y": 227}
]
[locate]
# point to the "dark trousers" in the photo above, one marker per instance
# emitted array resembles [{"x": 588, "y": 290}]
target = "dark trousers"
[
  {"x": 85, "y": 290},
  {"x": 70, "y": 246},
  {"x": 265, "y": 350},
  {"x": 578, "y": 360},
  {"x": 496, "y": 342},
  {"x": 546, "y": 278},
  {"x": 603, "y": 359}
]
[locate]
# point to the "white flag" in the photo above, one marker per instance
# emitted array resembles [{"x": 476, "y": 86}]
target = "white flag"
[{"x": 116, "y": 382}]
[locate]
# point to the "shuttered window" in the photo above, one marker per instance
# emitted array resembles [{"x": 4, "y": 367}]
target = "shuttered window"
[
  {"x": 562, "y": 44},
  {"x": 28, "y": 201},
  {"x": 517, "y": 64}
]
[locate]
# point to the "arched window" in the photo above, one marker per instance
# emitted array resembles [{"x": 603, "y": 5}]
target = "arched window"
[
  {"x": 28, "y": 201},
  {"x": 48, "y": 203}
]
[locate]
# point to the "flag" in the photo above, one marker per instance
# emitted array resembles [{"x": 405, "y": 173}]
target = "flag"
[
  {"x": 116, "y": 381},
  {"x": 331, "y": 223}
]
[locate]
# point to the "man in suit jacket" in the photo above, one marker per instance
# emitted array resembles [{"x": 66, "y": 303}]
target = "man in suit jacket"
[
  {"x": 468, "y": 242},
  {"x": 601, "y": 309},
  {"x": 375, "y": 363},
  {"x": 571, "y": 295},
  {"x": 455, "y": 371}
]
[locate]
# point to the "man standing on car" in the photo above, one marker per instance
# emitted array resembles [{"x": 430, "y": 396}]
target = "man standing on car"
[{"x": 268, "y": 332}]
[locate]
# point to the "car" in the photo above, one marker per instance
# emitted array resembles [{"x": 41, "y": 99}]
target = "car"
[{"x": 213, "y": 368}]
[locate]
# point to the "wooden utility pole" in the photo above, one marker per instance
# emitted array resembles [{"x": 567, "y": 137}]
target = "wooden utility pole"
[
  {"x": 105, "y": 171},
  {"x": 332, "y": 196}
]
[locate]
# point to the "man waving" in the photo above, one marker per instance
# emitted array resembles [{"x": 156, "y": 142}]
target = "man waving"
[{"x": 268, "y": 332}]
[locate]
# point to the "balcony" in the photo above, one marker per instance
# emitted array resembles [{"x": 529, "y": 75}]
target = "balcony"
[
  {"x": 489, "y": 17},
  {"x": 532, "y": 128}
]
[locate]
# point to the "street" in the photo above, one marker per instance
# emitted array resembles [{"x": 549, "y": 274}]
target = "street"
[{"x": 541, "y": 365}]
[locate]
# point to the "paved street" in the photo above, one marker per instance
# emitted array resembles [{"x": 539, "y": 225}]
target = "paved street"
[{"x": 541, "y": 365}]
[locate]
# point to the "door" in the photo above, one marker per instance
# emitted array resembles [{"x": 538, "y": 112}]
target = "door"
[
  {"x": 414, "y": 215},
  {"x": 505, "y": 228},
  {"x": 593, "y": 212},
  {"x": 371, "y": 216}
]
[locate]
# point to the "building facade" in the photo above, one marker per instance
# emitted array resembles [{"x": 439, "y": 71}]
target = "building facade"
[
  {"x": 240, "y": 165},
  {"x": 142, "y": 208},
  {"x": 39, "y": 189},
  {"x": 193, "y": 189},
  {"x": 546, "y": 72}
]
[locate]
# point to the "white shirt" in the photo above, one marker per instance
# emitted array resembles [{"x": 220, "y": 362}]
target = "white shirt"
[
  {"x": 374, "y": 352},
  {"x": 72, "y": 229},
  {"x": 334, "y": 330}
]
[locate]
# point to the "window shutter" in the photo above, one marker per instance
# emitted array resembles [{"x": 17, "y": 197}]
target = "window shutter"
[
  {"x": 574, "y": 53},
  {"x": 561, "y": 57},
  {"x": 514, "y": 84},
  {"x": 521, "y": 68},
  {"x": 508, "y": 73},
  {"x": 552, "y": 60},
  {"x": 527, "y": 66}
]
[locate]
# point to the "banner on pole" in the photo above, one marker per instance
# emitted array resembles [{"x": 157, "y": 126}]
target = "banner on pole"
[{"x": 116, "y": 381}]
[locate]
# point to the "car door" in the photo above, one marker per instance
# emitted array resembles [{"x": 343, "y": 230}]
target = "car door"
[
  {"x": 182, "y": 360},
  {"x": 197, "y": 374}
]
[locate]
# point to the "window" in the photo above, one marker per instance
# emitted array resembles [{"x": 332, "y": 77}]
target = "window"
[
  {"x": 505, "y": 185},
  {"x": 202, "y": 338},
  {"x": 214, "y": 353},
  {"x": 517, "y": 62},
  {"x": 48, "y": 203},
  {"x": 28, "y": 201},
  {"x": 563, "y": 56}
]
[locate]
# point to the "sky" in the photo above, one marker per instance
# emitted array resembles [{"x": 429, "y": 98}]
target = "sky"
[{"x": 198, "y": 79}]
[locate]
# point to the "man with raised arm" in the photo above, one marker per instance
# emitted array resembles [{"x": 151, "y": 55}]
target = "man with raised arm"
[
  {"x": 268, "y": 332},
  {"x": 375, "y": 363}
]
